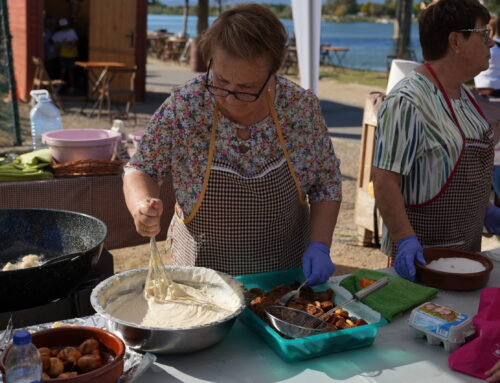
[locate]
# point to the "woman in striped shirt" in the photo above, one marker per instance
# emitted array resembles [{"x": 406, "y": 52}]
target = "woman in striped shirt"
[{"x": 434, "y": 149}]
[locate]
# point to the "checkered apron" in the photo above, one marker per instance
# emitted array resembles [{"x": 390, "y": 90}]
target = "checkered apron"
[
  {"x": 454, "y": 217},
  {"x": 245, "y": 225}
]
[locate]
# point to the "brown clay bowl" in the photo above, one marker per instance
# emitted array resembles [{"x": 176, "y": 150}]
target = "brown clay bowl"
[
  {"x": 453, "y": 281},
  {"x": 110, "y": 372}
]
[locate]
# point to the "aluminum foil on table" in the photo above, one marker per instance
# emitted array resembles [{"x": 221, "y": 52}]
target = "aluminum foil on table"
[{"x": 135, "y": 363}]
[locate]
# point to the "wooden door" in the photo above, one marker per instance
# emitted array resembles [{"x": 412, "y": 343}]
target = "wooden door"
[{"x": 112, "y": 34}]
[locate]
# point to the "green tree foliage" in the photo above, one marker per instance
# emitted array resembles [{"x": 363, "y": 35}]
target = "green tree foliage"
[
  {"x": 341, "y": 7},
  {"x": 283, "y": 11},
  {"x": 390, "y": 8},
  {"x": 493, "y": 6},
  {"x": 373, "y": 9}
]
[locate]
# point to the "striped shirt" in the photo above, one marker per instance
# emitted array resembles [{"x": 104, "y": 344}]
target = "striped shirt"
[{"x": 418, "y": 137}]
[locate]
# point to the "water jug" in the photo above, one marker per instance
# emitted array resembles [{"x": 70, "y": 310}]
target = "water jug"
[
  {"x": 45, "y": 117},
  {"x": 23, "y": 363}
]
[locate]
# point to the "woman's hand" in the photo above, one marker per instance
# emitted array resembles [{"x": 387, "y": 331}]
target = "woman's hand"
[
  {"x": 147, "y": 214},
  {"x": 317, "y": 264},
  {"x": 493, "y": 373}
]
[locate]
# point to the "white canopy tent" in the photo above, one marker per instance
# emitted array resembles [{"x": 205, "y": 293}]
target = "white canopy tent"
[{"x": 307, "y": 26}]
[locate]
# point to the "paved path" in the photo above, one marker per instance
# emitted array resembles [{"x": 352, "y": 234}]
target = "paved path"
[{"x": 342, "y": 104}]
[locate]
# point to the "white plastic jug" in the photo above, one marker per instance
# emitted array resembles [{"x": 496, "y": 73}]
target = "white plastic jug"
[{"x": 45, "y": 117}]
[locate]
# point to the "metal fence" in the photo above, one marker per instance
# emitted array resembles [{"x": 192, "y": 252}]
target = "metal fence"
[{"x": 10, "y": 132}]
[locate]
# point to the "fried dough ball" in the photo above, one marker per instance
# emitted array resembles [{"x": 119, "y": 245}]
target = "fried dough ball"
[
  {"x": 313, "y": 310},
  {"x": 88, "y": 346},
  {"x": 69, "y": 356},
  {"x": 45, "y": 361},
  {"x": 69, "y": 374},
  {"x": 45, "y": 376},
  {"x": 44, "y": 351},
  {"x": 89, "y": 362},
  {"x": 54, "y": 352},
  {"x": 361, "y": 322},
  {"x": 256, "y": 292},
  {"x": 56, "y": 367}
]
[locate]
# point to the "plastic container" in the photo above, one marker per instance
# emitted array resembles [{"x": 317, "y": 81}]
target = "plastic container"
[
  {"x": 441, "y": 325},
  {"x": 45, "y": 117},
  {"x": 23, "y": 363},
  {"x": 120, "y": 149},
  {"x": 80, "y": 144},
  {"x": 293, "y": 350},
  {"x": 136, "y": 137}
]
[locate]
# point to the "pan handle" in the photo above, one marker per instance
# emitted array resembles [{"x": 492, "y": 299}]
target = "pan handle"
[{"x": 61, "y": 258}]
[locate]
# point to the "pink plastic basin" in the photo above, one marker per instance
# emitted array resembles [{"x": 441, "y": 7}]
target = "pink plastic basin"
[{"x": 79, "y": 144}]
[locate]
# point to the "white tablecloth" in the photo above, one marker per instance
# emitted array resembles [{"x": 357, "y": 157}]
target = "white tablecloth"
[{"x": 394, "y": 357}]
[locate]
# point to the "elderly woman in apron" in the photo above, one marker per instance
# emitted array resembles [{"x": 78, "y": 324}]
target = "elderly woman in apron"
[
  {"x": 434, "y": 149},
  {"x": 255, "y": 176}
]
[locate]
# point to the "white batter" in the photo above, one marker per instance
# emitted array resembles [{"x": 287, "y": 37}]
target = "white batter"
[
  {"x": 456, "y": 265},
  {"x": 186, "y": 306}
]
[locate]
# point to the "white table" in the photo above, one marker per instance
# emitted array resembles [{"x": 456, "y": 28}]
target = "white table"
[{"x": 394, "y": 357}]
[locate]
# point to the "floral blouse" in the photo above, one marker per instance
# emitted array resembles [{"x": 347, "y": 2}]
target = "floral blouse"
[{"x": 177, "y": 140}]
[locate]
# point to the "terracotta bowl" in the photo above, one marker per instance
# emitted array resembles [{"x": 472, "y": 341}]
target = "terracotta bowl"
[
  {"x": 110, "y": 372},
  {"x": 453, "y": 281}
]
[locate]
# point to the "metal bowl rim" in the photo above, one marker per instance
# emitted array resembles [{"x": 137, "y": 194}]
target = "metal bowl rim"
[{"x": 100, "y": 287}]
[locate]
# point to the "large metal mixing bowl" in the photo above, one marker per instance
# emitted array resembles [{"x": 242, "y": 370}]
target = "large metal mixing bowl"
[{"x": 154, "y": 339}]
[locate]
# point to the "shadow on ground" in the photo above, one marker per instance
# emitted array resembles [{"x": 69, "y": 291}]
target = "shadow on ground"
[{"x": 343, "y": 121}]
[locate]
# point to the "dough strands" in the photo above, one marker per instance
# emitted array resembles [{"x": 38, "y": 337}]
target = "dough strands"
[
  {"x": 157, "y": 281},
  {"x": 160, "y": 288}
]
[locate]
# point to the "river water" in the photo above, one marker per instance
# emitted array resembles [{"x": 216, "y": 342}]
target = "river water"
[{"x": 369, "y": 43}]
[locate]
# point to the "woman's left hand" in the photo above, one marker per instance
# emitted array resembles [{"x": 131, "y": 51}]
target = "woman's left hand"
[
  {"x": 493, "y": 373},
  {"x": 317, "y": 264}
]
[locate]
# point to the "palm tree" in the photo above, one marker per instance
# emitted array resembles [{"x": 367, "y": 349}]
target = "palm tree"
[{"x": 186, "y": 14}]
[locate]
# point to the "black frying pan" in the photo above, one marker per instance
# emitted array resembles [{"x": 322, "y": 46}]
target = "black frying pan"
[{"x": 70, "y": 243}]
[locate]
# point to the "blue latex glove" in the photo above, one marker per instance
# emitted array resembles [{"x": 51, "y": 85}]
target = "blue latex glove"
[
  {"x": 408, "y": 250},
  {"x": 317, "y": 265},
  {"x": 492, "y": 220}
]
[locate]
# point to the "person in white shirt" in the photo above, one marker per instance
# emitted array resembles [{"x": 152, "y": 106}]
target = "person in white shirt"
[{"x": 488, "y": 81}]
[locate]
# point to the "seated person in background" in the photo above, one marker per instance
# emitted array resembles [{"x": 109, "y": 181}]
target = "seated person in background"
[
  {"x": 66, "y": 41},
  {"x": 488, "y": 82}
]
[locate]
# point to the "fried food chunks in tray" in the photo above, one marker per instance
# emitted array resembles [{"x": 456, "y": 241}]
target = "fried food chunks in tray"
[{"x": 313, "y": 302}]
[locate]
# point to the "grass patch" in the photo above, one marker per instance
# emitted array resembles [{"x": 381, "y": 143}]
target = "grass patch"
[{"x": 354, "y": 76}]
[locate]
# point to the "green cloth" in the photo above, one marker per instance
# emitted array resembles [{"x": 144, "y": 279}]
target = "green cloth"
[
  {"x": 393, "y": 299},
  {"x": 27, "y": 167}
]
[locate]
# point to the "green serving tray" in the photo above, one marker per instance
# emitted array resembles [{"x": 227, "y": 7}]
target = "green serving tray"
[{"x": 293, "y": 350}]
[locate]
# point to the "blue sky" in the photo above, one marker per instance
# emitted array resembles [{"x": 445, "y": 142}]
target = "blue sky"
[{"x": 212, "y": 2}]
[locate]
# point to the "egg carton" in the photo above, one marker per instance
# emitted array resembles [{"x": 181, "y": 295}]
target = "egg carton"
[{"x": 441, "y": 325}]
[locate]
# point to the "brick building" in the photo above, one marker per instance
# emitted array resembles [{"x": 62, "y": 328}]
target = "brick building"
[{"x": 108, "y": 30}]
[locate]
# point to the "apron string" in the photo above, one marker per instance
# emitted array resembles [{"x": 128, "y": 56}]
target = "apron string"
[{"x": 209, "y": 167}]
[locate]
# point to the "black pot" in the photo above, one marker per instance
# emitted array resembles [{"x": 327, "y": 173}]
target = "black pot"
[{"x": 70, "y": 242}]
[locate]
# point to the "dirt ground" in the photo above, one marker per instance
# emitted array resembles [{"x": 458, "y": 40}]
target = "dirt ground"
[{"x": 346, "y": 253}]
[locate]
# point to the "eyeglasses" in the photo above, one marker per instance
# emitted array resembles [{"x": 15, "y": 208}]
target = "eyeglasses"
[
  {"x": 484, "y": 31},
  {"x": 242, "y": 96}
]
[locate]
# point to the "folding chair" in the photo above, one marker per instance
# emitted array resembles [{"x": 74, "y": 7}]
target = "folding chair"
[
  {"x": 107, "y": 92},
  {"x": 42, "y": 80}
]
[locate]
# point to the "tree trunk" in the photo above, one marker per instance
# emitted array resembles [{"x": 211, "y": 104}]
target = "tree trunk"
[
  {"x": 219, "y": 5},
  {"x": 403, "y": 33},
  {"x": 202, "y": 25},
  {"x": 186, "y": 14}
]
